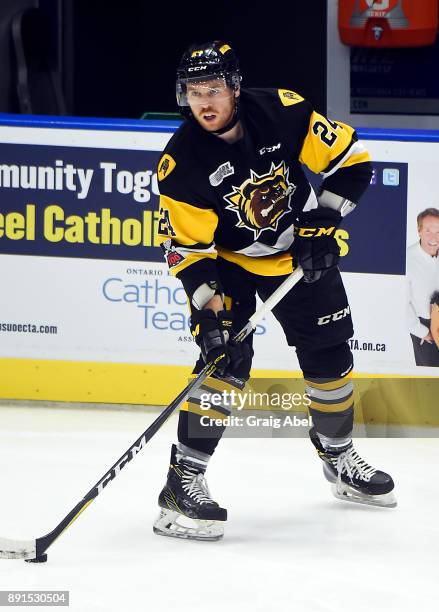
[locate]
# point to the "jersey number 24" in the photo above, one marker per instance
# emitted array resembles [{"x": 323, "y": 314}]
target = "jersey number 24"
[{"x": 326, "y": 135}]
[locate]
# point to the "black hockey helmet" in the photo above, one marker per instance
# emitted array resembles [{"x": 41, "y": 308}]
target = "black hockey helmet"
[{"x": 203, "y": 62}]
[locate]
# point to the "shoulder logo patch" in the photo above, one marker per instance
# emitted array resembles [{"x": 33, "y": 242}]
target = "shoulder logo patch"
[
  {"x": 165, "y": 167},
  {"x": 172, "y": 256},
  {"x": 223, "y": 171},
  {"x": 288, "y": 97},
  {"x": 224, "y": 48}
]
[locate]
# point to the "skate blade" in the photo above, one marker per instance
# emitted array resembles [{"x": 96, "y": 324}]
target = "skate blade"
[
  {"x": 346, "y": 493},
  {"x": 175, "y": 525}
]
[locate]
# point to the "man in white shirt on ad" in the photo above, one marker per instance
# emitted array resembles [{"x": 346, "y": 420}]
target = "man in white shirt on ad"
[{"x": 423, "y": 282}]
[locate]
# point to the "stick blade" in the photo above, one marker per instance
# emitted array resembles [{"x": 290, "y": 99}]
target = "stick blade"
[{"x": 18, "y": 549}]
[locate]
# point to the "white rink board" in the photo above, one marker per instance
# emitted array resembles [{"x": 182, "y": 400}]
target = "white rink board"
[
  {"x": 127, "y": 316},
  {"x": 125, "y": 311}
]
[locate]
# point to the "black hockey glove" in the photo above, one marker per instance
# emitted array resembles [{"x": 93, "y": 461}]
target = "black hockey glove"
[
  {"x": 315, "y": 248},
  {"x": 212, "y": 333},
  {"x": 240, "y": 354}
]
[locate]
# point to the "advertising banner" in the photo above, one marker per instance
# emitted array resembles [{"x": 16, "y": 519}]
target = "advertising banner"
[{"x": 81, "y": 278}]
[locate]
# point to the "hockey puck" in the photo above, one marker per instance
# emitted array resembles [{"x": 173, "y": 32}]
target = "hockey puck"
[{"x": 40, "y": 559}]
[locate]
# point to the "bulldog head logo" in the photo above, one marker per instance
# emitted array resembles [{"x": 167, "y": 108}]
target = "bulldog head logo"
[{"x": 262, "y": 200}]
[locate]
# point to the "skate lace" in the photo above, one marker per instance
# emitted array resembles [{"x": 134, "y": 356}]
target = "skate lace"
[
  {"x": 194, "y": 484},
  {"x": 354, "y": 466}
]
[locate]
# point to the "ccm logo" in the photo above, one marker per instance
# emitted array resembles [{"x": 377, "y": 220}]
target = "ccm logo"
[
  {"x": 269, "y": 149},
  {"x": 314, "y": 232},
  {"x": 336, "y": 316}
]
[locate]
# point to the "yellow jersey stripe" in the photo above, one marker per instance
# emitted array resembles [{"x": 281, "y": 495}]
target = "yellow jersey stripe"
[
  {"x": 189, "y": 260},
  {"x": 189, "y": 224},
  {"x": 357, "y": 158},
  {"x": 271, "y": 265}
]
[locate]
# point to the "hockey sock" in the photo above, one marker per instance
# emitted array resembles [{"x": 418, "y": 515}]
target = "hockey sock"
[
  {"x": 194, "y": 456},
  {"x": 200, "y": 425},
  {"x": 334, "y": 444},
  {"x": 332, "y": 406}
]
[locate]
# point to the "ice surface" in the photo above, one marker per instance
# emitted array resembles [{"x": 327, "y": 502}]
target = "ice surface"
[{"x": 289, "y": 545}]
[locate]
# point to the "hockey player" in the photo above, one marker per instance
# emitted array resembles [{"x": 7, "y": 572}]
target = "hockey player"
[{"x": 236, "y": 214}]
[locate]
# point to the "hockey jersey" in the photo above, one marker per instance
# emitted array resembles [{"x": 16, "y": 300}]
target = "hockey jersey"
[{"x": 239, "y": 201}]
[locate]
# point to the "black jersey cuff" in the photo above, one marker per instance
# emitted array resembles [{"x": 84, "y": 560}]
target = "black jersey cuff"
[
  {"x": 350, "y": 182},
  {"x": 202, "y": 271}
]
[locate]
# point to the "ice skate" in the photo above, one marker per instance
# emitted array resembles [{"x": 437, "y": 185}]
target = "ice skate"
[
  {"x": 187, "y": 509},
  {"x": 352, "y": 478}
]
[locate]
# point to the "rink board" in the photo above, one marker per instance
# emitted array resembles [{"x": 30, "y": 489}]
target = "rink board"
[{"x": 88, "y": 311}]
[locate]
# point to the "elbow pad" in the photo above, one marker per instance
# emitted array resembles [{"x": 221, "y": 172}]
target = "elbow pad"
[
  {"x": 204, "y": 293},
  {"x": 327, "y": 199}
]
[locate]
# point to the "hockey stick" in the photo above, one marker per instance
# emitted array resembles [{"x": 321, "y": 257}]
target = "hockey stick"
[{"x": 35, "y": 550}]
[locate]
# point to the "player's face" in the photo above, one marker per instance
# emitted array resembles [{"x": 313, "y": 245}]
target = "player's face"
[
  {"x": 429, "y": 235},
  {"x": 212, "y": 103}
]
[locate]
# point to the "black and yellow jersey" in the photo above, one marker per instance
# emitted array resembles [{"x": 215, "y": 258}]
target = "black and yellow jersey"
[{"x": 239, "y": 201}]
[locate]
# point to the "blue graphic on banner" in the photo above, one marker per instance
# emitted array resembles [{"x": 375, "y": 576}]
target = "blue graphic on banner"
[
  {"x": 78, "y": 202},
  {"x": 373, "y": 236}
]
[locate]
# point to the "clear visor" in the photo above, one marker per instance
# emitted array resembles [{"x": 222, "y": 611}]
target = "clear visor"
[{"x": 197, "y": 91}]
